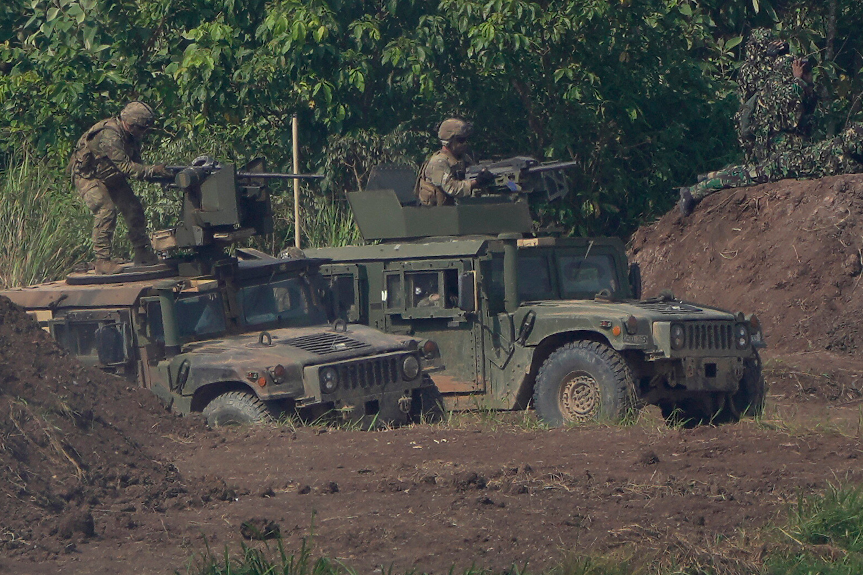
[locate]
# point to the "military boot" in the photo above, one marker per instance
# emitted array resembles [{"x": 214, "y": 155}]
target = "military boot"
[
  {"x": 144, "y": 257},
  {"x": 687, "y": 202},
  {"x": 108, "y": 267}
]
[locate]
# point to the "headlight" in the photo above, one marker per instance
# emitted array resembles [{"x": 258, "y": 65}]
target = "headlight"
[
  {"x": 631, "y": 325},
  {"x": 678, "y": 337},
  {"x": 277, "y": 373},
  {"x": 410, "y": 367},
  {"x": 741, "y": 335},
  {"x": 329, "y": 379},
  {"x": 430, "y": 349}
]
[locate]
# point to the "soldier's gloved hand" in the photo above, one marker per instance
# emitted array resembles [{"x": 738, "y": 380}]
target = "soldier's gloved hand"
[
  {"x": 484, "y": 177},
  {"x": 160, "y": 171}
]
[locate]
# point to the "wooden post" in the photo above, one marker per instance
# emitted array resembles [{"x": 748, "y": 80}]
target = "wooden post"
[{"x": 296, "y": 131}]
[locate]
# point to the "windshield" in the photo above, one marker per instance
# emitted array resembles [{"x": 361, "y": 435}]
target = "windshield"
[
  {"x": 200, "y": 315},
  {"x": 586, "y": 276},
  {"x": 287, "y": 302}
]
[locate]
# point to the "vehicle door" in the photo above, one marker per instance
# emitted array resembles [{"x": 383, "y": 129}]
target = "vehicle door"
[
  {"x": 421, "y": 299},
  {"x": 101, "y": 338}
]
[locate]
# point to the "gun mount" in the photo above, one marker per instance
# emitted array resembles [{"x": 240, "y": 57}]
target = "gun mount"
[
  {"x": 221, "y": 206},
  {"x": 388, "y": 210}
]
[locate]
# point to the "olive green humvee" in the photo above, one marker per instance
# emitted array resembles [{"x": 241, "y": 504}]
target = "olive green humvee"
[
  {"x": 239, "y": 338},
  {"x": 553, "y": 322}
]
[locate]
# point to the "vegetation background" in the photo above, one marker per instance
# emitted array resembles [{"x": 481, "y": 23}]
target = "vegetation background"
[{"x": 640, "y": 93}]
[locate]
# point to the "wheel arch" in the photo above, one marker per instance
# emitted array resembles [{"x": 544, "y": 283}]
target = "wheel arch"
[
  {"x": 207, "y": 393},
  {"x": 541, "y": 353}
]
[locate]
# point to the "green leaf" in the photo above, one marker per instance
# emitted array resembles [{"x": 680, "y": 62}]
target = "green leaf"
[
  {"x": 732, "y": 42},
  {"x": 685, "y": 9}
]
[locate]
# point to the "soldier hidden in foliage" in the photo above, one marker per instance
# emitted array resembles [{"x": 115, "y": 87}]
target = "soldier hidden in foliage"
[
  {"x": 840, "y": 155},
  {"x": 777, "y": 99}
]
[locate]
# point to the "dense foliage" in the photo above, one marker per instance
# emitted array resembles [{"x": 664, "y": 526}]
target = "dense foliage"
[{"x": 639, "y": 92}]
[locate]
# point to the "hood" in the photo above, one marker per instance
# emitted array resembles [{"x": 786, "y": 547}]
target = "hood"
[
  {"x": 302, "y": 346},
  {"x": 647, "y": 309}
]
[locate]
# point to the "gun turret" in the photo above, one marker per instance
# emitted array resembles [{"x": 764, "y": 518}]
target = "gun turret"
[
  {"x": 526, "y": 175},
  {"x": 221, "y": 206}
]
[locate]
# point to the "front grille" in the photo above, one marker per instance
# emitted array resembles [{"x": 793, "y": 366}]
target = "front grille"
[
  {"x": 709, "y": 336},
  {"x": 325, "y": 343},
  {"x": 370, "y": 373}
]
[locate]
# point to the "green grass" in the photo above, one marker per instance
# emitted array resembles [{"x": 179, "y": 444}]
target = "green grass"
[{"x": 44, "y": 226}]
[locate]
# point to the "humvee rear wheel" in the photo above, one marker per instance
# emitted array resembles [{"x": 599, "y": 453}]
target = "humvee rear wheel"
[
  {"x": 583, "y": 381},
  {"x": 237, "y": 408}
]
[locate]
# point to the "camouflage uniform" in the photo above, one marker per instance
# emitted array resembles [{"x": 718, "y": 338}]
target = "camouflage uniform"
[
  {"x": 840, "y": 155},
  {"x": 105, "y": 157},
  {"x": 442, "y": 178},
  {"x": 776, "y": 108}
]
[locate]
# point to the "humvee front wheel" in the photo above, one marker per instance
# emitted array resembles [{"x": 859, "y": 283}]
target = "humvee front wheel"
[
  {"x": 752, "y": 391},
  {"x": 237, "y": 408},
  {"x": 583, "y": 381}
]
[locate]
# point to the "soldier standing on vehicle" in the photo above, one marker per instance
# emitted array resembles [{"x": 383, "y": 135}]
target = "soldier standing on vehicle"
[
  {"x": 442, "y": 177},
  {"x": 105, "y": 158}
]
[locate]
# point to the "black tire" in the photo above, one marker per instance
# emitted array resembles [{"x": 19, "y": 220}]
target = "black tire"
[
  {"x": 752, "y": 392},
  {"x": 237, "y": 408},
  {"x": 428, "y": 404},
  {"x": 748, "y": 400},
  {"x": 583, "y": 381}
]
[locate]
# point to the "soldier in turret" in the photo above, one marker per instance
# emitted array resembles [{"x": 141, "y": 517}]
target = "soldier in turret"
[
  {"x": 105, "y": 158},
  {"x": 442, "y": 178}
]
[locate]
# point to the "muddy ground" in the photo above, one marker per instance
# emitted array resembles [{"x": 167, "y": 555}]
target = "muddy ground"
[{"x": 95, "y": 477}]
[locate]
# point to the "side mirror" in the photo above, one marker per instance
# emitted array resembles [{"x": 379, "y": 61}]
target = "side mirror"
[
  {"x": 467, "y": 291},
  {"x": 111, "y": 345},
  {"x": 635, "y": 280}
]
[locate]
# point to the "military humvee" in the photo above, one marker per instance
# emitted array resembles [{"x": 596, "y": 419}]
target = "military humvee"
[
  {"x": 558, "y": 323},
  {"x": 240, "y": 338}
]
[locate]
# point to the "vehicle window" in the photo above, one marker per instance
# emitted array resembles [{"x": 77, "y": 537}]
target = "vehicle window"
[
  {"x": 395, "y": 293},
  {"x": 288, "y": 302},
  {"x": 585, "y": 277},
  {"x": 78, "y": 338},
  {"x": 534, "y": 281},
  {"x": 425, "y": 289},
  {"x": 200, "y": 315},
  {"x": 343, "y": 287}
]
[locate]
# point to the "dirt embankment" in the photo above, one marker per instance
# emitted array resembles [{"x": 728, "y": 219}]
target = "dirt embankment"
[
  {"x": 74, "y": 440},
  {"x": 790, "y": 251}
]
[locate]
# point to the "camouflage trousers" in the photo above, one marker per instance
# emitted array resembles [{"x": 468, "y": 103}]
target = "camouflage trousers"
[
  {"x": 840, "y": 155},
  {"x": 105, "y": 202}
]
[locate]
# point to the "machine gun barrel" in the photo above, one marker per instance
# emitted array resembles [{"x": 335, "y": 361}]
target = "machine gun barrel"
[
  {"x": 257, "y": 175},
  {"x": 552, "y": 167}
]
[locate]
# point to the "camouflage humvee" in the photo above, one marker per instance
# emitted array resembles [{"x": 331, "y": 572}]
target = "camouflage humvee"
[
  {"x": 239, "y": 338},
  {"x": 553, "y": 322}
]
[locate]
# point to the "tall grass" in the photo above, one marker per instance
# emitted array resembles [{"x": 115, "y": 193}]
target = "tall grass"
[
  {"x": 824, "y": 535},
  {"x": 44, "y": 226}
]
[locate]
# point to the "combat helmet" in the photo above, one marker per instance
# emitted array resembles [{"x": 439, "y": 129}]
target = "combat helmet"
[
  {"x": 454, "y": 128},
  {"x": 139, "y": 114}
]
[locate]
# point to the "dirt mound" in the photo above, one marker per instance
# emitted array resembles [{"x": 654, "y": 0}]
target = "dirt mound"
[
  {"x": 789, "y": 251},
  {"x": 76, "y": 445}
]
